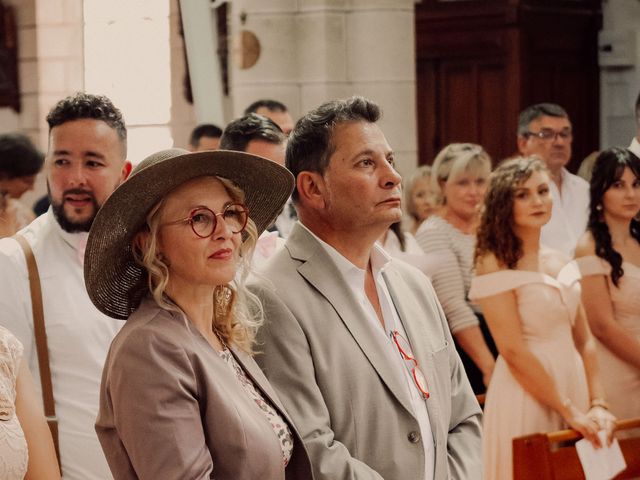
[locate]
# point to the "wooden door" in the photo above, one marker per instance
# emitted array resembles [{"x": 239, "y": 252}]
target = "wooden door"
[{"x": 480, "y": 62}]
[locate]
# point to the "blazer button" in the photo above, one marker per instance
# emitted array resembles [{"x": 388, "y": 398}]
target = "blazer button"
[{"x": 414, "y": 437}]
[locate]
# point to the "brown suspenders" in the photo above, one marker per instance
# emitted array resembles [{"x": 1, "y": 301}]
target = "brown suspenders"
[{"x": 41, "y": 340}]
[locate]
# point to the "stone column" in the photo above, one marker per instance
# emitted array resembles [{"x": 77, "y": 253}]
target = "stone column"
[
  {"x": 317, "y": 50},
  {"x": 619, "y": 79},
  {"x": 51, "y": 66}
]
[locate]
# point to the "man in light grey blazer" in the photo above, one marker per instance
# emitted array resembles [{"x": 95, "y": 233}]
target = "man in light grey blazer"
[{"x": 356, "y": 343}]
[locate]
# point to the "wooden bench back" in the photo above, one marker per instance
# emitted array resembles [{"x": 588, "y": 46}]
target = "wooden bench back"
[{"x": 537, "y": 457}]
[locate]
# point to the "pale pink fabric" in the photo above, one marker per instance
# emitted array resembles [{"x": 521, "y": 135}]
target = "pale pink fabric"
[
  {"x": 621, "y": 380},
  {"x": 547, "y": 308}
]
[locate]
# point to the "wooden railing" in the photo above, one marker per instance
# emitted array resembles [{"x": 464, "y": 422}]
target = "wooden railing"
[{"x": 552, "y": 456}]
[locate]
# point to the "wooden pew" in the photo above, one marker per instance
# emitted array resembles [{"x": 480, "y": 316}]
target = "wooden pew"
[{"x": 538, "y": 457}]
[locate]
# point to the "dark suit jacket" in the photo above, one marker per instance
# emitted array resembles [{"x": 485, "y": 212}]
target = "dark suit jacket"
[
  {"x": 353, "y": 412},
  {"x": 171, "y": 408}
]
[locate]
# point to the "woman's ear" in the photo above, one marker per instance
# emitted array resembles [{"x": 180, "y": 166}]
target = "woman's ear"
[
  {"x": 140, "y": 242},
  {"x": 311, "y": 189}
]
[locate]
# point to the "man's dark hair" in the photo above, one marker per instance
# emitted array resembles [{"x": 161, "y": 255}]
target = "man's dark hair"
[
  {"x": 85, "y": 105},
  {"x": 311, "y": 142},
  {"x": 18, "y": 156},
  {"x": 638, "y": 110},
  {"x": 273, "y": 105},
  {"x": 240, "y": 132},
  {"x": 534, "y": 112},
  {"x": 204, "y": 130}
]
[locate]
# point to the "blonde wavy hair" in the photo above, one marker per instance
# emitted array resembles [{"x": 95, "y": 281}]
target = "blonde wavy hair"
[
  {"x": 237, "y": 312},
  {"x": 455, "y": 160},
  {"x": 423, "y": 171}
]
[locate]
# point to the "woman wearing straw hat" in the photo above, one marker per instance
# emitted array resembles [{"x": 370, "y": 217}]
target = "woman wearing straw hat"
[{"x": 168, "y": 252}]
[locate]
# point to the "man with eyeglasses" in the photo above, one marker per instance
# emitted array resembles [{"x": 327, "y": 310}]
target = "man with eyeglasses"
[
  {"x": 355, "y": 342},
  {"x": 545, "y": 130}
]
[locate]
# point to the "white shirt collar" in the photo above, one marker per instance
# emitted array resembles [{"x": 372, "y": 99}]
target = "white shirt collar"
[
  {"x": 378, "y": 258},
  {"x": 635, "y": 146},
  {"x": 76, "y": 241}
]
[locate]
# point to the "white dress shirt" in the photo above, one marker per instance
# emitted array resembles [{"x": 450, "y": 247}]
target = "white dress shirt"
[
  {"x": 635, "y": 147},
  {"x": 78, "y": 336},
  {"x": 355, "y": 278},
  {"x": 429, "y": 264},
  {"x": 569, "y": 214},
  {"x": 287, "y": 219}
]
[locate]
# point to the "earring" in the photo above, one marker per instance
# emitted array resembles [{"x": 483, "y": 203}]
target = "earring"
[
  {"x": 222, "y": 300},
  {"x": 599, "y": 207}
]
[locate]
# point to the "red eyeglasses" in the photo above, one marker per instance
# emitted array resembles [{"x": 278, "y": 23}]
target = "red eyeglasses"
[
  {"x": 203, "y": 220},
  {"x": 404, "y": 348}
]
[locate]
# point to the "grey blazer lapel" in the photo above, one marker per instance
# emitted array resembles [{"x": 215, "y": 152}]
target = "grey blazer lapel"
[
  {"x": 413, "y": 321},
  {"x": 318, "y": 269}
]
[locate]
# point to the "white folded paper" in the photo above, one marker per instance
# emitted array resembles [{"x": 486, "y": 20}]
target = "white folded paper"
[{"x": 602, "y": 463}]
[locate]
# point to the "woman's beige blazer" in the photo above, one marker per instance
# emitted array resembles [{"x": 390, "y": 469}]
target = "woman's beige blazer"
[{"x": 170, "y": 408}]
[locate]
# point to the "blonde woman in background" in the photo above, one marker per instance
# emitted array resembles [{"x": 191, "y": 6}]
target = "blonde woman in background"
[
  {"x": 418, "y": 197},
  {"x": 418, "y": 204},
  {"x": 459, "y": 180}
]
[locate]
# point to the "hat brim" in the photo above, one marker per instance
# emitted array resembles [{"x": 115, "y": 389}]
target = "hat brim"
[{"x": 114, "y": 282}]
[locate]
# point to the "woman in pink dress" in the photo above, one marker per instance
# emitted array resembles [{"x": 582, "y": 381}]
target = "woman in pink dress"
[
  {"x": 608, "y": 255},
  {"x": 546, "y": 375}
]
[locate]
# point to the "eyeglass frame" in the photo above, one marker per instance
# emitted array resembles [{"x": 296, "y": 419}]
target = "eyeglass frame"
[
  {"x": 565, "y": 134},
  {"x": 189, "y": 219},
  {"x": 409, "y": 357}
]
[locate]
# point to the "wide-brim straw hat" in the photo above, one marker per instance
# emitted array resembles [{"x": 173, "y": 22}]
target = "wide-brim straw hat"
[{"x": 115, "y": 282}]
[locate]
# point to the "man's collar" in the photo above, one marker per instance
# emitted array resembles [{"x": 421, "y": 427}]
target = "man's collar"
[
  {"x": 74, "y": 240},
  {"x": 378, "y": 257}
]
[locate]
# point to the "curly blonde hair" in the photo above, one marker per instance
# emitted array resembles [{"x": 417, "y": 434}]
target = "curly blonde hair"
[
  {"x": 495, "y": 233},
  {"x": 238, "y": 312}
]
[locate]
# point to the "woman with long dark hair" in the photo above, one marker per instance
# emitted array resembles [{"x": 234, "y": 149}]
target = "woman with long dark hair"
[
  {"x": 546, "y": 375},
  {"x": 609, "y": 258}
]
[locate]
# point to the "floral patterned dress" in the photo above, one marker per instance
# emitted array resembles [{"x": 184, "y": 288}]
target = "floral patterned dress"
[
  {"x": 280, "y": 427},
  {"x": 13, "y": 446}
]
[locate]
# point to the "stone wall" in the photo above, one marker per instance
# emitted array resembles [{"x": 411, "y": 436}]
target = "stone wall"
[
  {"x": 317, "y": 50},
  {"x": 620, "y": 77}
]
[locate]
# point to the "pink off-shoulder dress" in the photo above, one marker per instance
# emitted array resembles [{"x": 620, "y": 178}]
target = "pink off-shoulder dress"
[
  {"x": 547, "y": 309},
  {"x": 621, "y": 381}
]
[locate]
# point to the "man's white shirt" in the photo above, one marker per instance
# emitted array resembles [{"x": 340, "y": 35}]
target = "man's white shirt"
[
  {"x": 569, "y": 214},
  {"x": 635, "y": 147},
  {"x": 78, "y": 336},
  {"x": 287, "y": 219}
]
